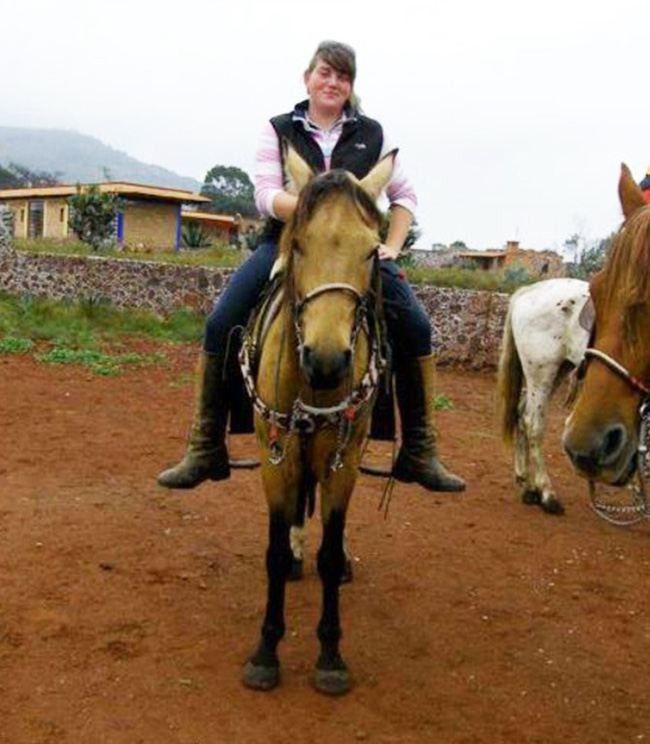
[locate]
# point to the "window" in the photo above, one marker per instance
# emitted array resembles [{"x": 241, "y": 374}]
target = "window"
[{"x": 35, "y": 224}]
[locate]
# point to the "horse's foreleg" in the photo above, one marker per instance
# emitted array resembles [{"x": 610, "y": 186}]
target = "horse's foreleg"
[
  {"x": 262, "y": 672},
  {"x": 331, "y": 675}
]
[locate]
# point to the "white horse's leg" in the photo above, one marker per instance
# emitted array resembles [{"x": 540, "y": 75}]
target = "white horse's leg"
[{"x": 534, "y": 421}]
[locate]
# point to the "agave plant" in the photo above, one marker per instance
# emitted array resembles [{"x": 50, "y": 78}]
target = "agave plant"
[{"x": 194, "y": 236}]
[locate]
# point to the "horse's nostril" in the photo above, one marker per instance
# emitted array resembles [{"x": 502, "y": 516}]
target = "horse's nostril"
[{"x": 613, "y": 442}]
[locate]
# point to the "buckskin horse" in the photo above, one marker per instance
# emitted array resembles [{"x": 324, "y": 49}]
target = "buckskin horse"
[
  {"x": 545, "y": 336},
  {"x": 318, "y": 351},
  {"x": 601, "y": 435}
]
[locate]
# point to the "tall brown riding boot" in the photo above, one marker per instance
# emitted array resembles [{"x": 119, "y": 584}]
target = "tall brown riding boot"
[
  {"x": 206, "y": 456},
  {"x": 417, "y": 461}
]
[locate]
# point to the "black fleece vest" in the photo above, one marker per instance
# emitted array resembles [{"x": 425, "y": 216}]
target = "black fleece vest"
[{"x": 357, "y": 150}]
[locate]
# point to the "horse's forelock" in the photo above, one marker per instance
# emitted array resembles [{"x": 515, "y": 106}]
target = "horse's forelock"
[
  {"x": 336, "y": 181},
  {"x": 333, "y": 182}
]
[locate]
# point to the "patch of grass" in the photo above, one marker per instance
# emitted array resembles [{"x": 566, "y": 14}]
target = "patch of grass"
[
  {"x": 13, "y": 345},
  {"x": 491, "y": 281},
  {"x": 88, "y": 333},
  {"x": 442, "y": 403},
  {"x": 98, "y": 361},
  {"x": 86, "y": 323},
  {"x": 220, "y": 255}
]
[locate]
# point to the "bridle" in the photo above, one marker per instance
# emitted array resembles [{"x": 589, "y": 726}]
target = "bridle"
[
  {"x": 639, "y": 509},
  {"x": 303, "y": 417},
  {"x": 361, "y": 308},
  {"x": 620, "y": 370}
]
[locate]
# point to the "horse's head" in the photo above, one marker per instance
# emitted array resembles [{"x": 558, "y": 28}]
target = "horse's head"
[
  {"x": 601, "y": 434},
  {"x": 329, "y": 248}
]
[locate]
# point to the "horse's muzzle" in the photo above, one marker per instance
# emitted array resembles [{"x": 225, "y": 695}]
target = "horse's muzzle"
[
  {"x": 606, "y": 455},
  {"x": 325, "y": 371}
]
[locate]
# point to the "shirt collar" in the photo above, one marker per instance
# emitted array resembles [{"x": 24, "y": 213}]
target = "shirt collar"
[{"x": 300, "y": 114}]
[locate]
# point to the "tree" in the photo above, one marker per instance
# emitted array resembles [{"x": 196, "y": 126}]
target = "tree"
[
  {"x": 93, "y": 215},
  {"x": 16, "y": 176},
  {"x": 589, "y": 258},
  {"x": 230, "y": 190}
]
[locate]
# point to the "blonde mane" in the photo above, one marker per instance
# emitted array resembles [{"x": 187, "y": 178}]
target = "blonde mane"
[{"x": 626, "y": 274}]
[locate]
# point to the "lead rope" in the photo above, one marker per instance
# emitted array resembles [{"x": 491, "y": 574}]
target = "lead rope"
[
  {"x": 387, "y": 493},
  {"x": 630, "y": 514},
  {"x": 277, "y": 447}
]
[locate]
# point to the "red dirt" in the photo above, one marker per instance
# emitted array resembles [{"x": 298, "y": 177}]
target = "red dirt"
[{"x": 127, "y": 612}]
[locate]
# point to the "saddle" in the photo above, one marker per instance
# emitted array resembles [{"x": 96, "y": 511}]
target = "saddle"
[{"x": 241, "y": 419}]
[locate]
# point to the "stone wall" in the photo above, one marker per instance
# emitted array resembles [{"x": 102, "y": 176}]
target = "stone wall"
[
  {"x": 467, "y": 324},
  {"x": 6, "y": 230}
]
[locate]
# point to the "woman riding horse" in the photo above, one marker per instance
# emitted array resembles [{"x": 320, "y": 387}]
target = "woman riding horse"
[{"x": 328, "y": 131}]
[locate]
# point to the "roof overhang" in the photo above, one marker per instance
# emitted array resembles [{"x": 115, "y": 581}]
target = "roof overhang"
[{"x": 121, "y": 188}]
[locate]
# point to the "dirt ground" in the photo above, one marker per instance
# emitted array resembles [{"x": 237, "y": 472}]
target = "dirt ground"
[{"x": 127, "y": 612}]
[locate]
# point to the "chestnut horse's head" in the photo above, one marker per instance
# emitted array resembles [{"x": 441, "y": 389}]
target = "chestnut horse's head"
[
  {"x": 601, "y": 434},
  {"x": 329, "y": 248}
]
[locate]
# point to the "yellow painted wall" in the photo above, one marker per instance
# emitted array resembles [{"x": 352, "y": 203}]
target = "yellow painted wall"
[
  {"x": 53, "y": 225},
  {"x": 19, "y": 208},
  {"x": 150, "y": 225}
]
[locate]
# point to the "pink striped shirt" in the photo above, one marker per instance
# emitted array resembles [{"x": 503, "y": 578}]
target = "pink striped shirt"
[{"x": 268, "y": 167}]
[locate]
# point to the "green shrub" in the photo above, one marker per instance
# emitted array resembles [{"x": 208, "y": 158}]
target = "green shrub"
[{"x": 12, "y": 345}]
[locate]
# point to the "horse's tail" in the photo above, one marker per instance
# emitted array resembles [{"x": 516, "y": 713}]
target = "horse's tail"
[{"x": 510, "y": 381}]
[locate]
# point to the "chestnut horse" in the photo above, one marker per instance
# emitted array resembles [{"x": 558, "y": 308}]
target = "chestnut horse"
[
  {"x": 313, "y": 390},
  {"x": 545, "y": 336},
  {"x": 601, "y": 436}
]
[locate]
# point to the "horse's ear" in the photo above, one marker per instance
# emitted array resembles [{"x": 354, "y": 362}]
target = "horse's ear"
[
  {"x": 375, "y": 182},
  {"x": 296, "y": 169},
  {"x": 629, "y": 192}
]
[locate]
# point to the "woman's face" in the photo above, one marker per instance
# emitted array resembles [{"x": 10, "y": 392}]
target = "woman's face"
[{"x": 328, "y": 89}]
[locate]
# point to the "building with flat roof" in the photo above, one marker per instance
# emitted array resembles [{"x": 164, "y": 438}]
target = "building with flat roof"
[{"x": 150, "y": 217}]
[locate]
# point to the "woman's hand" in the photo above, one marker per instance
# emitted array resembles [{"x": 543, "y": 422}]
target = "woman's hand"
[{"x": 387, "y": 252}]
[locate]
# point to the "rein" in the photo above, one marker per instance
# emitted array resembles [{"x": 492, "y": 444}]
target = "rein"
[{"x": 639, "y": 509}]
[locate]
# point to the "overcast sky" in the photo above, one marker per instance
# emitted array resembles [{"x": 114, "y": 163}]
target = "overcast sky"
[{"x": 512, "y": 117}]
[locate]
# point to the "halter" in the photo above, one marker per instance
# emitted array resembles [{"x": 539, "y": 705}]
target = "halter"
[
  {"x": 626, "y": 516},
  {"x": 620, "y": 370}
]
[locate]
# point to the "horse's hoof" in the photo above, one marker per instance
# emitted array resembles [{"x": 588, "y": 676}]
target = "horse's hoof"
[
  {"x": 348, "y": 572},
  {"x": 552, "y": 506},
  {"x": 260, "y": 677},
  {"x": 296, "y": 571},
  {"x": 531, "y": 498},
  {"x": 332, "y": 681}
]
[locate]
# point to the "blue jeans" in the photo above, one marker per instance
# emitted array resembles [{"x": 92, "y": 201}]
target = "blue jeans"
[{"x": 408, "y": 323}]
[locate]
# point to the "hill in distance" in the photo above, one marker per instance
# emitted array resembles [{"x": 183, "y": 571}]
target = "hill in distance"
[{"x": 78, "y": 158}]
